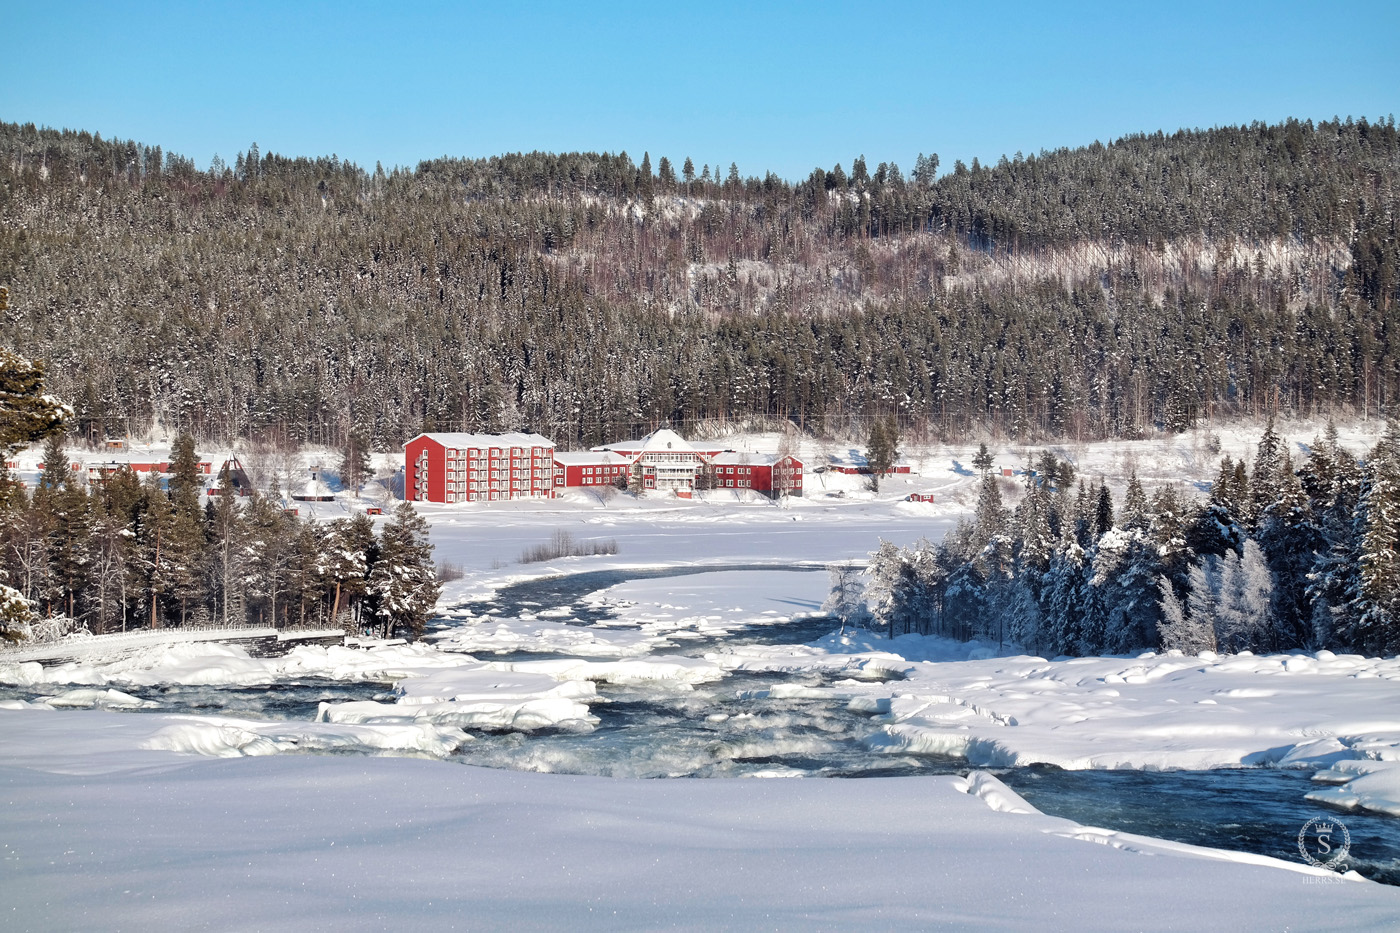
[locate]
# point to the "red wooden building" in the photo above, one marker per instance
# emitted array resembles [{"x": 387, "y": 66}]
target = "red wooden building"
[
  {"x": 766, "y": 473},
  {"x": 478, "y": 467},
  {"x": 663, "y": 461},
  {"x": 590, "y": 469}
]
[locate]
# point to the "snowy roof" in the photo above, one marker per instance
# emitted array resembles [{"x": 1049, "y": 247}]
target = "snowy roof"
[
  {"x": 591, "y": 457},
  {"x": 744, "y": 458},
  {"x": 315, "y": 488},
  {"x": 857, "y": 458},
  {"x": 664, "y": 439},
  {"x": 458, "y": 439}
]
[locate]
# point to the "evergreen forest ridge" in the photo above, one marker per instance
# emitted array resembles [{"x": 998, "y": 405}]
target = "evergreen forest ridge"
[{"x": 1102, "y": 291}]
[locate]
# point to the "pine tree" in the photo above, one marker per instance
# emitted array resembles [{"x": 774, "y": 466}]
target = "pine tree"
[
  {"x": 355, "y": 462},
  {"x": 1265, "y": 481},
  {"x": 1334, "y": 584},
  {"x": 1242, "y": 597},
  {"x": 27, "y": 412},
  {"x": 228, "y": 559},
  {"x": 1188, "y": 633},
  {"x": 70, "y": 526},
  {"x": 56, "y": 468},
  {"x": 155, "y": 520},
  {"x": 403, "y": 586},
  {"x": 881, "y": 449},
  {"x": 1063, "y": 603},
  {"x": 185, "y": 483},
  {"x": 1290, "y": 539},
  {"x": 1203, "y": 582},
  {"x": 269, "y": 547},
  {"x": 350, "y": 551},
  {"x": 1136, "y": 511},
  {"x": 1103, "y": 510},
  {"x": 1377, "y": 627}
]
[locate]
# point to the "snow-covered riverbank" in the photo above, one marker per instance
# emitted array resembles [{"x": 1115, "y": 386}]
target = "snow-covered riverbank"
[
  {"x": 128, "y": 818},
  {"x": 313, "y": 843}
]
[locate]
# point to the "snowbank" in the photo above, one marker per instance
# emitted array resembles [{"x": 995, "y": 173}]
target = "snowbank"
[
  {"x": 315, "y": 843},
  {"x": 1340, "y": 713}
]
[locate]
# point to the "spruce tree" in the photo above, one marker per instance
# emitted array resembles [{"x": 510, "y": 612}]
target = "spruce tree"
[
  {"x": 350, "y": 552},
  {"x": 27, "y": 412},
  {"x": 355, "y": 464},
  {"x": 155, "y": 521},
  {"x": 227, "y": 554},
  {"x": 1377, "y": 626},
  {"x": 403, "y": 585},
  {"x": 881, "y": 449}
]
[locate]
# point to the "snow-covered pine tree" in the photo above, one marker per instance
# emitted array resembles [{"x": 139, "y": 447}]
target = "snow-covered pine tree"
[
  {"x": 1103, "y": 509},
  {"x": 185, "y": 483},
  {"x": 403, "y": 585},
  {"x": 1334, "y": 583},
  {"x": 885, "y": 575},
  {"x": 1202, "y": 589},
  {"x": 1136, "y": 510},
  {"x": 1243, "y": 596},
  {"x": 1290, "y": 539},
  {"x": 269, "y": 545},
  {"x": 1264, "y": 483},
  {"x": 27, "y": 412},
  {"x": 1378, "y": 600},
  {"x": 1168, "y": 530},
  {"x": 355, "y": 464},
  {"x": 845, "y": 601},
  {"x": 349, "y": 553},
  {"x": 1062, "y": 600},
  {"x": 16, "y": 615},
  {"x": 228, "y": 558}
]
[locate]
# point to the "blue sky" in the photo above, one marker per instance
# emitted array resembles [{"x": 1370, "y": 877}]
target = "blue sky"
[{"x": 777, "y": 87}]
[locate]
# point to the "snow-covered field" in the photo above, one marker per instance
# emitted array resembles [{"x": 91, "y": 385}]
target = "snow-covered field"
[
  {"x": 318, "y": 843},
  {"x": 119, "y": 815}
]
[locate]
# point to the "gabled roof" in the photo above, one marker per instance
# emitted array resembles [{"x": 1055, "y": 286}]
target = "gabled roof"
[
  {"x": 745, "y": 458},
  {"x": 461, "y": 439},
  {"x": 662, "y": 440}
]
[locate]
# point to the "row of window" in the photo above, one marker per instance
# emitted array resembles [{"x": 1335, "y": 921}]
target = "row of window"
[
  {"x": 492, "y": 496},
  {"x": 495, "y": 474},
  {"x": 453, "y": 452},
  {"x": 494, "y": 484}
]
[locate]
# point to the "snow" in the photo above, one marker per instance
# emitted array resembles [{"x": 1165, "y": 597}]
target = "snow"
[
  {"x": 716, "y": 603},
  {"x": 118, "y": 818},
  {"x": 206, "y": 663},
  {"x": 1339, "y": 713},
  {"x": 313, "y": 842}
]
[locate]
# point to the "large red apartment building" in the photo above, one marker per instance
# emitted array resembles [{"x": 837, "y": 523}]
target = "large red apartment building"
[{"x": 478, "y": 467}]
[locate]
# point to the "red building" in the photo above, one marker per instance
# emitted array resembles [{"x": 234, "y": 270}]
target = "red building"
[
  {"x": 663, "y": 461},
  {"x": 766, "y": 473},
  {"x": 854, "y": 464},
  {"x": 591, "y": 469},
  {"x": 478, "y": 467}
]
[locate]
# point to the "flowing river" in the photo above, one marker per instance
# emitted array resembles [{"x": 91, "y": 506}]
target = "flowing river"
[
  {"x": 742, "y": 726},
  {"x": 735, "y": 728}
]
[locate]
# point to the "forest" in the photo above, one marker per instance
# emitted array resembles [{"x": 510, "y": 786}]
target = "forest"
[
  {"x": 1277, "y": 559},
  {"x": 128, "y": 554},
  {"x": 1103, "y": 291}
]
